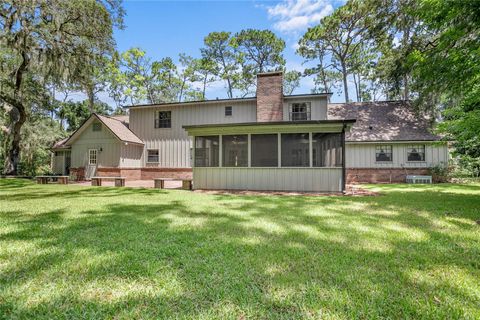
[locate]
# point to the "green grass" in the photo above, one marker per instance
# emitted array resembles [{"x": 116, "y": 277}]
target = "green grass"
[{"x": 77, "y": 252}]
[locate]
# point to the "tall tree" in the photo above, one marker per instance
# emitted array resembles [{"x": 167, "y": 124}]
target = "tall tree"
[
  {"x": 41, "y": 42},
  {"x": 291, "y": 81},
  {"x": 340, "y": 35},
  {"x": 217, "y": 48},
  {"x": 206, "y": 70}
]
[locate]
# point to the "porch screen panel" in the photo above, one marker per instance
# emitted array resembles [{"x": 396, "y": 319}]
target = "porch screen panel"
[
  {"x": 327, "y": 149},
  {"x": 235, "y": 150},
  {"x": 264, "y": 150},
  {"x": 207, "y": 151},
  {"x": 295, "y": 150}
]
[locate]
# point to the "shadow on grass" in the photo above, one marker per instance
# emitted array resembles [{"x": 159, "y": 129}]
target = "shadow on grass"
[{"x": 248, "y": 256}]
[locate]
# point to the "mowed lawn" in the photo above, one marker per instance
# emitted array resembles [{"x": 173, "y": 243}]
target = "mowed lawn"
[{"x": 79, "y": 252}]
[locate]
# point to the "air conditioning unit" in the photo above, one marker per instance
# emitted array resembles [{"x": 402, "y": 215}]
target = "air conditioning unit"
[{"x": 419, "y": 179}]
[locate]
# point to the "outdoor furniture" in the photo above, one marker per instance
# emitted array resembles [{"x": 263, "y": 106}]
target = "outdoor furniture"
[
  {"x": 119, "y": 181},
  {"x": 45, "y": 179},
  {"x": 160, "y": 182},
  {"x": 187, "y": 184}
]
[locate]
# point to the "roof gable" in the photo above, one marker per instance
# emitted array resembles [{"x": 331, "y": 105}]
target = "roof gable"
[{"x": 116, "y": 127}]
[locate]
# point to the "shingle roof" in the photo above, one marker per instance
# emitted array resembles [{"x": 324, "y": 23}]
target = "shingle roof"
[
  {"x": 122, "y": 117},
  {"x": 60, "y": 144},
  {"x": 119, "y": 129},
  {"x": 383, "y": 121}
]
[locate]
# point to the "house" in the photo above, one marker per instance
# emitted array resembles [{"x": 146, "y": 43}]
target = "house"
[{"x": 267, "y": 142}]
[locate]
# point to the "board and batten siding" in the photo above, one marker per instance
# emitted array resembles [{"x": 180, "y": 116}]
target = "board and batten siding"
[
  {"x": 358, "y": 155},
  {"x": 131, "y": 156},
  {"x": 273, "y": 179},
  {"x": 89, "y": 139},
  {"x": 173, "y": 143},
  {"x": 318, "y": 107}
]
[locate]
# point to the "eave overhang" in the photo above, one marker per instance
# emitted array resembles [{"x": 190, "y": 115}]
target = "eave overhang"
[{"x": 271, "y": 127}]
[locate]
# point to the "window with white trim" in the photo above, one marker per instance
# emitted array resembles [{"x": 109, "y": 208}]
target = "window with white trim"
[
  {"x": 228, "y": 111},
  {"x": 383, "y": 153},
  {"x": 152, "y": 156},
  {"x": 164, "y": 119},
  {"x": 92, "y": 157},
  {"x": 300, "y": 111},
  {"x": 416, "y": 152}
]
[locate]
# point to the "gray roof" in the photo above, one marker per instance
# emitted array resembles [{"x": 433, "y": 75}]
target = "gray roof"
[
  {"x": 119, "y": 129},
  {"x": 383, "y": 121}
]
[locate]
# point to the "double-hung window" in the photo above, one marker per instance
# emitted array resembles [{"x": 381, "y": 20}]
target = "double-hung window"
[
  {"x": 228, "y": 111},
  {"x": 383, "y": 153},
  {"x": 416, "y": 153},
  {"x": 300, "y": 111},
  {"x": 152, "y": 156},
  {"x": 163, "y": 119}
]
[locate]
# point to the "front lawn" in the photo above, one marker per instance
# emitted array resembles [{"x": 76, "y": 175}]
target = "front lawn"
[{"x": 80, "y": 252}]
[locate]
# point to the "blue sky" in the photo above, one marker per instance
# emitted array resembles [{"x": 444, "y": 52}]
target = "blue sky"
[{"x": 167, "y": 28}]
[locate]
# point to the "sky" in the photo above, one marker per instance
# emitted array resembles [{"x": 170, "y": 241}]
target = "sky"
[{"x": 167, "y": 28}]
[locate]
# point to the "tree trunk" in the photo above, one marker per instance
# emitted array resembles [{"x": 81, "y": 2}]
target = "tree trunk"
[
  {"x": 406, "y": 89},
  {"x": 345, "y": 82},
  {"x": 91, "y": 98},
  {"x": 204, "y": 87},
  {"x": 17, "y": 119},
  {"x": 356, "y": 87}
]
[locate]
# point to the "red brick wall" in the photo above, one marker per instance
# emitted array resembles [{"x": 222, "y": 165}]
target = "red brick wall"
[
  {"x": 383, "y": 175},
  {"x": 146, "y": 173},
  {"x": 270, "y": 97},
  {"x": 78, "y": 173},
  {"x": 174, "y": 173}
]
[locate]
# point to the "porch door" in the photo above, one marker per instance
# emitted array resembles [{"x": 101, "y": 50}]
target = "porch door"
[{"x": 91, "y": 169}]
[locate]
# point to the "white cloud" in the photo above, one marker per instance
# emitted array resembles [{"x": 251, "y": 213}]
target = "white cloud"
[{"x": 298, "y": 15}]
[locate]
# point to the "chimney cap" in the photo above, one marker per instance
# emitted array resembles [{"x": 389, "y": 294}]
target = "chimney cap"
[{"x": 271, "y": 73}]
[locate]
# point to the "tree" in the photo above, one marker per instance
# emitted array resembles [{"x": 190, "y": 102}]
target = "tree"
[
  {"x": 217, "y": 49},
  {"x": 205, "y": 70},
  {"x": 339, "y": 35},
  {"x": 291, "y": 81},
  {"x": 257, "y": 51},
  {"x": 45, "y": 42},
  {"x": 188, "y": 74}
]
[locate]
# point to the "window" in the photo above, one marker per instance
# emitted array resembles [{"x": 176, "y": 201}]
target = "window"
[
  {"x": 383, "y": 153},
  {"x": 228, "y": 111},
  {"x": 164, "y": 119},
  {"x": 235, "y": 150},
  {"x": 295, "y": 150},
  {"x": 416, "y": 153},
  {"x": 327, "y": 149},
  {"x": 92, "y": 157},
  {"x": 207, "y": 151},
  {"x": 264, "y": 149},
  {"x": 300, "y": 111},
  {"x": 97, "y": 126},
  {"x": 152, "y": 155}
]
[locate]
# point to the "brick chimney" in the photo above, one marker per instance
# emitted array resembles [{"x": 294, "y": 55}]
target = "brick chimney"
[{"x": 270, "y": 96}]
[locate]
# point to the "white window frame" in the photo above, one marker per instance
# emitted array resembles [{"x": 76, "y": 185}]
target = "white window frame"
[
  {"x": 158, "y": 156},
  {"x": 308, "y": 111},
  {"x": 90, "y": 158}
]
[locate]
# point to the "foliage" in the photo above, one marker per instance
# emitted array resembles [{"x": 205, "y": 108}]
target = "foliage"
[
  {"x": 71, "y": 252},
  {"x": 291, "y": 81},
  {"x": 45, "y": 42}
]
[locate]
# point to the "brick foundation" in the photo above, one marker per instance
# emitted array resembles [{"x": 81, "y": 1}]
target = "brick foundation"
[
  {"x": 383, "y": 175},
  {"x": 174, "y": 173},
  {"x": 78, "y": 174}
]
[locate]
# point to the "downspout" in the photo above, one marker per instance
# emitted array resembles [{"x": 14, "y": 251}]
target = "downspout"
[{"x": 344, "y": 172}]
